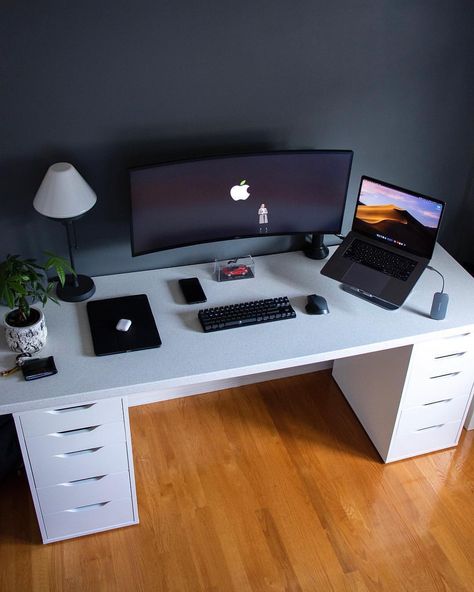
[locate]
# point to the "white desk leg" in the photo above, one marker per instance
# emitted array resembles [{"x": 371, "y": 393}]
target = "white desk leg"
[{"x": 373, "y": 385}]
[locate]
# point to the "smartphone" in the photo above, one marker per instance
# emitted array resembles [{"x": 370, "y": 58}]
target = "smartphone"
[{"x": 192, "y": 290}]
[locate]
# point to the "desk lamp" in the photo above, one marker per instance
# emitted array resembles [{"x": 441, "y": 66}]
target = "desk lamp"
[{"x": 65, "y": 196}]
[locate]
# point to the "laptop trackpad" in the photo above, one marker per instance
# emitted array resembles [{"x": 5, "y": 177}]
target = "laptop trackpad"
[{"x": 365, "y": 278}]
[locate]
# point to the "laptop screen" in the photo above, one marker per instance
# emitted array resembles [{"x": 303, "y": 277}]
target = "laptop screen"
[{"x": 398, "y": 217}]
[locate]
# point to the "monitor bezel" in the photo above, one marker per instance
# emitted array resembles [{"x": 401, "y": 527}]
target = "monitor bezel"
[{"x": 240, "y": 236}]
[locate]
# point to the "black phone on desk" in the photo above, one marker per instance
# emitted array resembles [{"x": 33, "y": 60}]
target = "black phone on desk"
[{"x": 192, "y": 290}]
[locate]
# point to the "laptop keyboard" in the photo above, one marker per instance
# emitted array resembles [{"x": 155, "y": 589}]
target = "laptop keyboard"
[{"x": 380, "y": 259}]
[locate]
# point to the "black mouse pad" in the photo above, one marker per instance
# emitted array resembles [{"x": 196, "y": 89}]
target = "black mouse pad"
[{"x": 104, "y": 316}]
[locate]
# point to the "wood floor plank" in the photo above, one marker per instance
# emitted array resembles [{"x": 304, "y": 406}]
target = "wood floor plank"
[{"x": 263, "y": 488}]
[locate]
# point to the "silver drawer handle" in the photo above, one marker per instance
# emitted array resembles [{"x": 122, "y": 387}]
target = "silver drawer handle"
[
  {"x": 89, "y": 507},
  {"x": 437, "y": 402},
  {"x": 458, "y": 335},
  {"x": 83, "y": 481},
  {"x": 452, "y": 374},
  {"x": 435, "y": 427},
  {"x": 79, "y": 452},
  {"x": 456, "y": 355},
  {"x": 67, "y": 433},
  {"x": 71, "y": 409}
]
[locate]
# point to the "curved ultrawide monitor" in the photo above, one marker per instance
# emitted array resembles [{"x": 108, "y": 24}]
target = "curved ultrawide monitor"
[{"x": 220, "y": 198}]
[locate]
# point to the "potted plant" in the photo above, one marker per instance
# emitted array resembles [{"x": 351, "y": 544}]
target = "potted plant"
[{"x": 24, "y": 282}]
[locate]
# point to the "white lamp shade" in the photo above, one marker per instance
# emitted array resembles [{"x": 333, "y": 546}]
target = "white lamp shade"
[{"x": 63, "y": 193}]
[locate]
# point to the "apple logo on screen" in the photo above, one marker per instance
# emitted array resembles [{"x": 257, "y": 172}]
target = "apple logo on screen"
[{"x": 239, "y": 191}]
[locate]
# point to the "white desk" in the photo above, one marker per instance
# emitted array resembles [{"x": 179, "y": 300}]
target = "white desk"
[{"x": 191, "y": 362}]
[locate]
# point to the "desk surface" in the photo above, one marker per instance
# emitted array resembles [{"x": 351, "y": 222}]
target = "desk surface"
[{"x": 190, "y": 357}]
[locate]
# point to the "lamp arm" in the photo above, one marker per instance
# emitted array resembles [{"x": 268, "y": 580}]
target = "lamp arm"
[{"x": 69, "y": 227}]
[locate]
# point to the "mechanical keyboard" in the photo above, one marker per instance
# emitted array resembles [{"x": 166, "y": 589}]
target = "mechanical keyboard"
[
  {"x": 246, "y": 313},
  {"x": 380, "y": 259}
]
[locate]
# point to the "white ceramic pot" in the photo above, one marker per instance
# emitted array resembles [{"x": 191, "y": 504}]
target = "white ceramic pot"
[{"x": 29, "y": 339}]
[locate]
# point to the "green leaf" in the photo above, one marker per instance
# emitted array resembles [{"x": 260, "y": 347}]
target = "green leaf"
[
  {"x": 60, "y": 265},
  {"x": 61, "y": 276},
  {"x": 54, "y": 299},
  {"x": 243, "y": 181},
  {"x": 9, "y": 298}
]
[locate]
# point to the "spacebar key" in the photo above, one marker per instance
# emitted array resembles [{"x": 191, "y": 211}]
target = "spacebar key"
[{"x": 240, "y": 322}]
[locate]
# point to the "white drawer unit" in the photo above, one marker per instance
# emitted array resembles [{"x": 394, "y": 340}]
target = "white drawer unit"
[
  {"x": 79, "y": 464},
  {"x": 411, "y": 400}
]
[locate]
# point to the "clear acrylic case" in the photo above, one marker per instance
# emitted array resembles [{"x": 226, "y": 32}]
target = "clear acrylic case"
[{"x": 234, "y": 269}]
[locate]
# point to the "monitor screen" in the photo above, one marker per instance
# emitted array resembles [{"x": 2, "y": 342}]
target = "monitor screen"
[
  {"x": 398, "y": 217},
  {"x": 197, "y": 201}
]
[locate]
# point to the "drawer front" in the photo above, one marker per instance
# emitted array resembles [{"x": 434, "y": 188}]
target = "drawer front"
[
  {"x": 453, "y": 362},
  {"x": 90, "y": 462},
  {"x": 84, "y": 492},
  {"x": 432, "y": 414},
  {"x": 422, "y": 388},
  {"x": 40, "y": 447},
  {"x": 445, "y": 348},
  {"x": 84, "y": 519},
  {"x": 60, "y": 419},
  {"x": 424, "y": 440}
]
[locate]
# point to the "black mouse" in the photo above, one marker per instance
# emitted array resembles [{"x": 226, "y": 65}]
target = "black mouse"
[{"x": 316, "y": 305}]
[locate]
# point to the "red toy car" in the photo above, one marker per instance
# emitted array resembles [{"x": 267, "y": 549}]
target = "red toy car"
[{"x": 235, "y": 271}]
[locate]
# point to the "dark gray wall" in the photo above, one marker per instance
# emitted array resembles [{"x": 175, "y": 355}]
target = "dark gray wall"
[{"x": 106, "y": 85}]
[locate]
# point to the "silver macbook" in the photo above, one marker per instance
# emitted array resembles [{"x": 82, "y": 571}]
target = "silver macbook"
[{"x": 391, "y": 242}]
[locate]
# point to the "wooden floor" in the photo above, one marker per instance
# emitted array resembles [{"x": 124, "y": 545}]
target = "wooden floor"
[{"x": 267, "y": 487}]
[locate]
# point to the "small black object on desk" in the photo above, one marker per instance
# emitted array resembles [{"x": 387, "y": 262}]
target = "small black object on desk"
[
  {"x": 38, "y": 368},
  {"x": 316, "y": 305},
  {"x": 106, "y": 316}
]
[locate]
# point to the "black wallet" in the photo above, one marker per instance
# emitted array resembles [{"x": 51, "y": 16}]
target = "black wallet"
[{"x": 38, "y": 368}]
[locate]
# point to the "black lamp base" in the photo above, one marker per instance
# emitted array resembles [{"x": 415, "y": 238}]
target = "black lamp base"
[{"x": 84, "y": 289}]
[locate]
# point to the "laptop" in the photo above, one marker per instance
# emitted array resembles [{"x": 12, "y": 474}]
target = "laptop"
[{"x": 392, "y": 240}]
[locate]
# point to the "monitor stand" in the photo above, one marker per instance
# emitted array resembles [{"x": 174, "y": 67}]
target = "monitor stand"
[{"x": 316, "y": 249}]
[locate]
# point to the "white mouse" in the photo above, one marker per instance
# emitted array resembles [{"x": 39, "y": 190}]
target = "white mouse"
[{"x": 123, "y": 325}]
